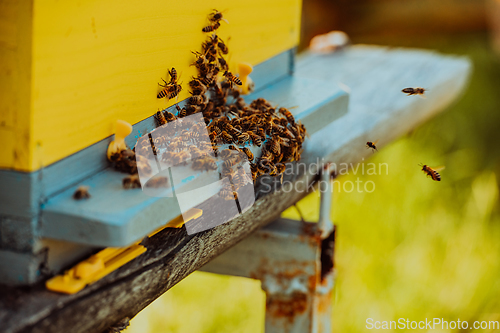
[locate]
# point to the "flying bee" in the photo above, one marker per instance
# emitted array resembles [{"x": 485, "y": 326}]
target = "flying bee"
[
  {"x": 371, "y": 145},
  {"x": 231, "y": 78},
  {"x": 414, "y": 91},
  {"x": 248, "y": 152},
  {"x": 210, "y": 28},
  {"x": 81, "y": 192},
  {"x": 131, "y": 182},
  {"x": 432, "y": 172}
]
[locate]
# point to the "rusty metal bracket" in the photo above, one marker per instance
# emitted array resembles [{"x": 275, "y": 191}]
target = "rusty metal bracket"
[{"x": 294, "y": 262}]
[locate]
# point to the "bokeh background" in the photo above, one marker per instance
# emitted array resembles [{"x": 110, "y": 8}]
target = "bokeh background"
[{"x": 417, "y": 249}]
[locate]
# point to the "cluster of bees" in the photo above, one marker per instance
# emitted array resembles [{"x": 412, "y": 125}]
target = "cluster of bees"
[
  {"x": 127, "y": 161},
  {"x": 232, "y": 127},
  {"x": 231, "y": 123},
  {"x": 430, "y": 172}
]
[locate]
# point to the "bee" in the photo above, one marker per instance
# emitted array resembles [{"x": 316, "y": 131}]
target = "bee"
[
  {"x": 216, "y": 16},
  {"x": 223, "y": 64},
  {"x": 204, "y": 163},
  {"x": 143, "y": 165},
  {"x": 432, "y": 172},
  {"x": 173, "y": 76},
  {"x": 256, "y": 139},
  {"x": 414, "y": 91},
  {"x": 226, "y": 193},
  {"x": 196, "y": 99},
  {"x": 157, "y": 182},
  {"x": 226, "y": 153},
  {"x": 181, "y": 113},
  {"x": 220, "y": 95},
  {"x": 266, "y": 154},
  {"x": 226, "y": 137},
  {"x": 125, "y": 161},
  {"x": 197, "y": 87},
  {"x": 267, "y": 167},
  {"x": 170, "y": 116},
  {"x": 248, "y": 152},
  {"x": 200, "y": 59},
  {"x": 280, "y": 169},
  {"x": 180, "y": 157},
  {"x": 232, "y": 147},
  {"x": 169, "y": 90},
  {"x": 160, "y": 118},
  {"x": 288, "y": 115},
  {"x": 243, "y": 137},
  {"x": 211, "y": 54},
  {"x": 210, "y": 28},
  {"x": 371, "y": 145},
  {"x": 131, "y": 182},
  {"x": 222, "y": 47},
  {"x": 275, "y": 147},
  {"x": 81, "y": 192},
  {"x": 231, "y": 78}
]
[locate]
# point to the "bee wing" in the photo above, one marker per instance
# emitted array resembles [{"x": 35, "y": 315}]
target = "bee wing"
[
  {"x": 439, "y": 168},
  {"x": 422, "y": 96},
  {"x": 375, "y": 142}
]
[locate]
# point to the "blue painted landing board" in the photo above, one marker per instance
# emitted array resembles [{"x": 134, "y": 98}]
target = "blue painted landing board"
[{"x": 117, "y": 217}]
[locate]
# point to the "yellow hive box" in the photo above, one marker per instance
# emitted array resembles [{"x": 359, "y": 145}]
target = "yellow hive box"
[{"x": 70, "y": 69}]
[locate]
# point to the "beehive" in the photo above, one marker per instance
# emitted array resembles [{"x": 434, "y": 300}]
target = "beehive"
[{"x": 70, "y": 70}]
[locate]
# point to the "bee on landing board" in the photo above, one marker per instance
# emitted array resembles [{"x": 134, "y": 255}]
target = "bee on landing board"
[
  {"x": 131, "y": 182},
  {"x": 414, "y": 91},
  {"x": 432, "y": 172},
  {"x": 372, "y": 145},
  {"x": 81, "y": 192}
]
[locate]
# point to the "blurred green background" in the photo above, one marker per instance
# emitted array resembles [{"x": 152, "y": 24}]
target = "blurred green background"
[{"x": 417, "y": 249}]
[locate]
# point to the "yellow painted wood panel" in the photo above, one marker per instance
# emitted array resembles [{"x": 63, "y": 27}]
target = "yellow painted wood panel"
[
  {"x": 96, "y": 61},
  {"x": 15, "y": 86}
]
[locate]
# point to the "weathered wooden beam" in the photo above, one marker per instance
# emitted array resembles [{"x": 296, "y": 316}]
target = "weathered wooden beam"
[{"x": 375, "y": 76}]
